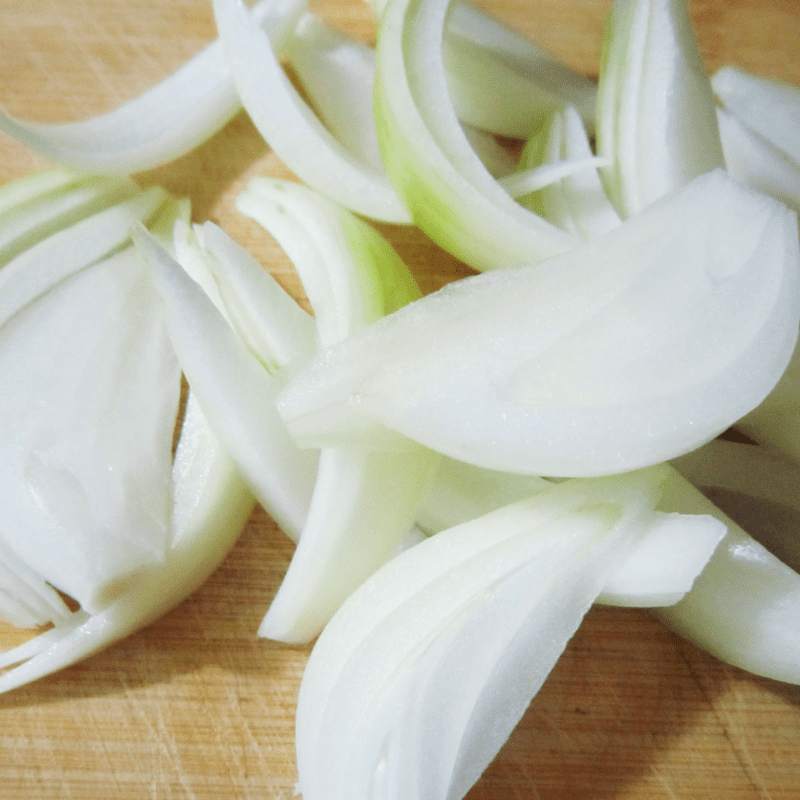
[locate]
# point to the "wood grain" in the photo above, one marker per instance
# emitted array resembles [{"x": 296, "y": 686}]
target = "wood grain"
[{"x": 196, "y": 706}]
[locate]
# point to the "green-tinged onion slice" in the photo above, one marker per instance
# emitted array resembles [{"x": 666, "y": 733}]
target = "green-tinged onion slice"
[
  {"x": 364, "y": 500},
  {"x": 447, "y": 188}
]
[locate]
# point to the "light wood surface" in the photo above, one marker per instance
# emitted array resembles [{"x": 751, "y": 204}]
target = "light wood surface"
[{"x": 196, "y": 706}]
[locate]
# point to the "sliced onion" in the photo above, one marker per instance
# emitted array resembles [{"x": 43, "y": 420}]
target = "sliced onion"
[
  {"x": 637, "y": 347},
  {"x": 291, "y": 128},
  {"x": 211, "y": 506},
  {"x": 165, "y": 122},
  {"x": 235, "y": 392},
  {"x": 744, "y": 607},
  {"x": 421, "y": 676},
  {"x": 91, "y": 395},
  {"x": 445, "y": 185},
  {"x": 364, "y": 500},
  {"x": 656, "y": 118}
]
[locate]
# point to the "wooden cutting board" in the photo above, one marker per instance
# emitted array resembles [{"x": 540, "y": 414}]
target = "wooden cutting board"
[{"x": 196, "y": 706}]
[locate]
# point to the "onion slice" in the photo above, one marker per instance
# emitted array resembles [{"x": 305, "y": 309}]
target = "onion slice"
[
  {"x": 417, "y": 681},
  {"x": 656, "y": 118},
  {"x": 235, "y": 392},
  {"x": 364, "y": 500},
  {"x": 211, "y": 506},
  {"x": 744, "y": 607},
  {"x": 158, "y": 126},
  {"x": 635, "y": 348},
  {"x": 292, "y": 129},
  {"x": 447, "y": 188}
]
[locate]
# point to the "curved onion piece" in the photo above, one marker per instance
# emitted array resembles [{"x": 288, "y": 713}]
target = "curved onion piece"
[
  {"x": 337, "y": 73},
  {"x": 638, "y": 347},
  {"x": 754, "y": 486},
  {"x": 211, "y": 506},
  {"x": 91, "y": 393},
  {"x": 656, "y": 119},
  {"x": 165, "y": 122},
  {"x": 235, "y": 392},
  {"x": 768, "y": 107},
  {"x": 665, "y": 562},
  {"x": 39, "y": 268},
  {"x": 292, "y": 129},
  {"x": 423, "y": 673},
  {"x": 756, "y": 161},
  {"x": 745, "y": 606},
  {"x": 268, "y": 320},
  {"x": 46, "y": 203},
  {"x": 429, "y": 159},
  {"x": 364, "y": 500},
  {"x": 480, "y": 54},
  {"x": 658, "y": 571},
  {"x": 578, "y": 202}
]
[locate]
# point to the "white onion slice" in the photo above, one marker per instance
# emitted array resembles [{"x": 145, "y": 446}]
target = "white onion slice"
[
  {"x": 163, "y": 123},
  {"x": 91, "y": 394},
  {"x": 753, "y": 485},
  {"x": 744, "y": 607},
  {"x": 364, "y": 500},
  {"x": 337, "y": 73},
  {"x": 655, "y": 109},
  {"x": 659, "y": 570},
  {"x": 49, "y": 202},
  {"x": 36, "y": 270},
  {"x": 235, "y": 392},
  {"x": 271, "y": 324},
  {"x": 211, "y": 506},
  {"x": 637, "y": 347},
  {"x": 757, "y": 162},
  {"x": 423, "y": 673},
  {"x": 480, "y": 54},
  {"x": 766, "y": 106},
  {"x": 431, "y": 163},
  {"x": 291, "y": 128}
]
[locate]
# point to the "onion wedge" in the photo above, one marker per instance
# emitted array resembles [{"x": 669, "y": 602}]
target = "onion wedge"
[
  {"x": 744, "y": 607},
  {"x": 548, "y": 357},
  {"x": 89, "y": 407},
  {"x": 364, "y": 500},
  {"x": 158, "y": 126},
  {"x": 658, "y": 571},
  {"x": 235, "y": 390},
  {"x": 447, "y": 188},
  {"x": 656, "y": 120},
  {"x": 211, "y": 506},
  {"x": 423, "y": 673},
  {"x": 292, "y": 129}
]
